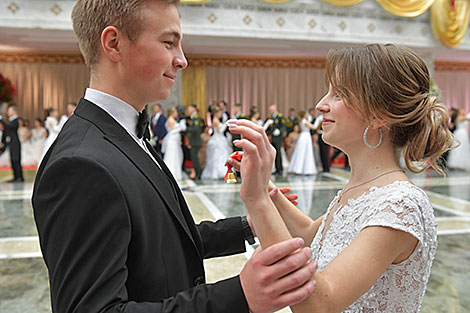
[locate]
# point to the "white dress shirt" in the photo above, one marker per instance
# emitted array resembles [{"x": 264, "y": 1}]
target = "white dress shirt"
[{"x": 120, "y": 111}]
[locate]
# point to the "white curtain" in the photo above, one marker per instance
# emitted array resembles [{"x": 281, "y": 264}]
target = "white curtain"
[
  {"x": 455, "y": 88},
  {"x": 44, "y": 85},
  {"x": 300, "y": 88}
]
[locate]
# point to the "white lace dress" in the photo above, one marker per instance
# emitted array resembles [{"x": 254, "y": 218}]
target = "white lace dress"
[{"x": 400, "y": 205}]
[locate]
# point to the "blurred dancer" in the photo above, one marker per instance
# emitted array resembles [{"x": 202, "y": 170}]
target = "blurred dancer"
[{"x": 10, "y": 133}]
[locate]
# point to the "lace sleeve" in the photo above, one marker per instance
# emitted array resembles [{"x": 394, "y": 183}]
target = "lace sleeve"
[{"x": 401, "y": 209}]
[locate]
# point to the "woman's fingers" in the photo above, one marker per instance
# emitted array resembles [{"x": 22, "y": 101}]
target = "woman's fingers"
[
  {"x": 251, "y": 131},
  {"x": 233, "y": 161}
]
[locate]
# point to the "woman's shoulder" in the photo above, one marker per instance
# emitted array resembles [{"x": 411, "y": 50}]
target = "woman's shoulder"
[
  {"x": 400, "y": 205},
  {"x": 399, "y": 195}
]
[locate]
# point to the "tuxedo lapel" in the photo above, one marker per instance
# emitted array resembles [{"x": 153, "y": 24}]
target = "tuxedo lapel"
[
  {"x": 118, "y": 136},
  {"x": 184, "y": 208}
]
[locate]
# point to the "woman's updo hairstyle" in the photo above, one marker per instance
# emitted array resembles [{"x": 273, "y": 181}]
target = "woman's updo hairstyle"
[{"x": 391, "y": 83}]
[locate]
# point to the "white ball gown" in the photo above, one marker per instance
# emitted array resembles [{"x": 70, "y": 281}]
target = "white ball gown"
[
  {"x": 218, "y": 150},
  {"x": 172, "y": 151},
  {"x": 26, "y": 147},
  {"x": 38, "y": 137},
  {"x": 302, "y": 161},
  {"x": 459, "y": 158},
  {"x": 53, "y": 127}
]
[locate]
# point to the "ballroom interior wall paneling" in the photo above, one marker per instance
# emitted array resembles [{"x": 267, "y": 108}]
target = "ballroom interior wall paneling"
[
  {"x": 287, "y": 87},
  {"x": 454, "y": 88},
  {"x": 194, "y": 87},
  {"x": 44, "y": 85}
]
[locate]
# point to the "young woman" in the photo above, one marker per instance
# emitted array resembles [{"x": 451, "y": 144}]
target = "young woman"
[
  {"x": 38, "y": 137},
  {"x": 375, "y": 244},
  {"x": 218, "y": 149},
  {"x": 291, "y": 141},
  {"x": 303, "y": 161},
  {"x": 53, "y": 128},
  {"x": 171, "y": 145},
  {"x": 459, "y": 158}
]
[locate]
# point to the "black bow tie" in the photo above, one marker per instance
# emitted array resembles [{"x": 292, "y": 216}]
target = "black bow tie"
[{"x": 142, "y": 126}]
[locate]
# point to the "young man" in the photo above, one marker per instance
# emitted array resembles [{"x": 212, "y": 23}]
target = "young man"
[
  {"x": 194, "y": 131},
  {"x": 276, "y": 128},
  {"x": 114, "y": 228},
  {"x": 11, "y": 139},
  {"x": 71, "y": 106},
  {"x": 157, "y": 125},
  {"x": 237, "y": 114}
]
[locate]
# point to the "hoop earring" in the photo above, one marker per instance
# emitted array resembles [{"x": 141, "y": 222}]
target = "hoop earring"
[{"x": 365, "y": 138}]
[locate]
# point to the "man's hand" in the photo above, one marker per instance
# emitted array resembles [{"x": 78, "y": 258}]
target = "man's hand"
[{"x": 278, "y": 276}]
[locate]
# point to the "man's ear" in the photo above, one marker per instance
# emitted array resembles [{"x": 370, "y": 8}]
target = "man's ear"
[{"x": 111, "y": 43}]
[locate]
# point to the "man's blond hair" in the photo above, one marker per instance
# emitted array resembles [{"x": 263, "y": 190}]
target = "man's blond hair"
[{"x": 91, "y": 17}]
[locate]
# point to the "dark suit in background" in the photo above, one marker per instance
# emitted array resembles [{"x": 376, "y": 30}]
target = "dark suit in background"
[
  {"x": 238, "y": 116},
  {"x": 157, "y": 124},
  {"x": 115, "y": 231},
  {"x": 276, "y": 133},
  {"x": 194, "y": 131},
  {"x": 10, "y": 134}
]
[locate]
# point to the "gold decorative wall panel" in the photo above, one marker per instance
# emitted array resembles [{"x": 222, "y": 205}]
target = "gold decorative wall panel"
[
  {"x": 276, "y": 1},
  {"x": 343, "y": 3},
  {"x": 448, "y": 24},
  {"x": 44, "y": 57},
  {"x": 406, "y": 8},
  {"x": 452, "y": 66},
  {"x": 195, "y": 1},
  {"x": 235, "y": 61}
]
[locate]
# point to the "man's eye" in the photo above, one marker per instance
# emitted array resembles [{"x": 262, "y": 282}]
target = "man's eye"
[{"x": 170, "y": 43}]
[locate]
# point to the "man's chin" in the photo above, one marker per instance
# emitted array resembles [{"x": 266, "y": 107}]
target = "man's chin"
[{"x": 163, "y": 95}]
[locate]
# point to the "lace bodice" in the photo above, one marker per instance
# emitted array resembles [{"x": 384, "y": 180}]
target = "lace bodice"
[{"x": 400, "y": 205}]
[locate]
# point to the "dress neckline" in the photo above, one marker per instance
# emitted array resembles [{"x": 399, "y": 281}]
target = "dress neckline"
[{"x": 349, "y": 204}]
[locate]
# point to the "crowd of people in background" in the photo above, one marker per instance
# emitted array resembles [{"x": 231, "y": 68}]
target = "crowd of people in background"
[
  {"x": 189, "y": 142},
  {"x": 23, "y": 144},
  {"x": 183, "y": 137}
]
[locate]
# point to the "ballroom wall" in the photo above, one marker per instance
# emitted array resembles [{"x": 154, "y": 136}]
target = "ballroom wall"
[{"x": 52, "y": 80}]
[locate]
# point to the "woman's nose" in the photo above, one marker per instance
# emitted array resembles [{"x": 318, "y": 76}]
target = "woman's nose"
[{"x": 322, "y": 105}]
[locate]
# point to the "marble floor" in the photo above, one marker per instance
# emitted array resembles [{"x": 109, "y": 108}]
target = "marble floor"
[{"x": 23, "y": 275}]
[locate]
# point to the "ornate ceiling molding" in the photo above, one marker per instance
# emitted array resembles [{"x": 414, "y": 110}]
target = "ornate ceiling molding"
[
  {"x": 43, "y": 57},
  {"x": 237, "y": 61},
  {"x": 208, "y": 60}
]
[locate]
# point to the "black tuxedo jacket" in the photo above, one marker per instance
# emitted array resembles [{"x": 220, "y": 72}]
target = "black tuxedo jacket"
[
  {"x": 115, "y": 230},
  {"x": 10, "y": 130}
]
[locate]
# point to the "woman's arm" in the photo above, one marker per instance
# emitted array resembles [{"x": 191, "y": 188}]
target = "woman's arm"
[
  {"x": 353, "y": 271},
  {"x": 171, "y": 123},
  {"x": 310, "y": 125},
  {"x": 298, "y": 223}
]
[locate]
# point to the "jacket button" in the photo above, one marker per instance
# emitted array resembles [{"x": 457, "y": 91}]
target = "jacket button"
[{"x": 199, "y": 280}]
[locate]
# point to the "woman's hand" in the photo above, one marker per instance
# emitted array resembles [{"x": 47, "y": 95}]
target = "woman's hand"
[
  {"x": 274, "y": 192},
  {"x": 258, "y": 159}
]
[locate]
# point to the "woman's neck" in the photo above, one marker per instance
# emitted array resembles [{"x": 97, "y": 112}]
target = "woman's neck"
[{"x": 368, "y": 163}]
